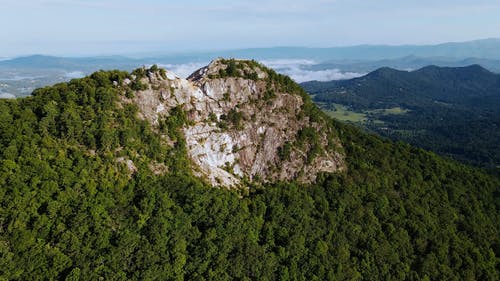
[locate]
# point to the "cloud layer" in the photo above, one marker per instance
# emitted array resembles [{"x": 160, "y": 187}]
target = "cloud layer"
[
  {"x": 295, "y": 68},
  {"x": 7, "y": 96},
  {"x": 74, "y": 74},
  {"x": 300, "y": 75},
  {"x": 185, "y": 69}
]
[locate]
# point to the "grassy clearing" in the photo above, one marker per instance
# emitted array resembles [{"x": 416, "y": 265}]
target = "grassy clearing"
[
  {"x": 341, "y": 113},
  {"x": 389, "y": 111}
]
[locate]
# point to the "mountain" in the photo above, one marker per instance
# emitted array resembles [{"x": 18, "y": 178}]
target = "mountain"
[
  {"x": 475, "y": 51},
  {"x": 452, "y": 111},
  {"x": 68, "y": 63},
  {"x": 483, "y": 48},
  {"x": 406, "y": 63},
  {"x": 20, "y": 76},
  {"x": 231, "y": 174},
  {"x": 235, "y": 123},
  {"x": 467, "y": 87}
]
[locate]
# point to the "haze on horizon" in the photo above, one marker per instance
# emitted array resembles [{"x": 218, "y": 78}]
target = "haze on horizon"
[{"x": 112, "y": 27}]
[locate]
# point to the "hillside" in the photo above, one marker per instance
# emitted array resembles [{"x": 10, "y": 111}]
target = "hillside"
[
  {"x": 123, "y": 176},
  {"x": 452, "y": 111}
]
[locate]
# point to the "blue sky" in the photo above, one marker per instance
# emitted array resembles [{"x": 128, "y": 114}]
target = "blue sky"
[{"x": 103, "y": 27}]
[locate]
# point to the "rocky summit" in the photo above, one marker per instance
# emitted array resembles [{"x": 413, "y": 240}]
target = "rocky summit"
[{"x": 244, "y": 122}]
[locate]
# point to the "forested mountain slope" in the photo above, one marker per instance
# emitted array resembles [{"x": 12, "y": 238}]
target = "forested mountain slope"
[
  {"x": 92, "y": 188},
  {"x": 452, "y": 111}
]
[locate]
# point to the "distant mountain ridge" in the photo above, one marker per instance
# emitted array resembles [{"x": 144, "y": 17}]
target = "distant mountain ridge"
[
  {"x": 67, "y": 63},
  {"x": 454, "y": 111},
  {"x": 20, "y": 76},
  {"x": 483, "y": 48},
  {"x": 478, "y": 49},
  {"x": 387, "y": 87}
]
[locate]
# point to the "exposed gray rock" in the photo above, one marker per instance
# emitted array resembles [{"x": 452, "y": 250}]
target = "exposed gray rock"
[{"x": 235, "y": 131}]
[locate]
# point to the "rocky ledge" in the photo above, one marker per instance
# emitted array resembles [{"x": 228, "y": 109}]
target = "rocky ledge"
[{"x": 244, "y": 123}]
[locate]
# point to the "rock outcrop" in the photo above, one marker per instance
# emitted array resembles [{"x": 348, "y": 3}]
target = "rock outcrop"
[{"x": 244, "y": 122}]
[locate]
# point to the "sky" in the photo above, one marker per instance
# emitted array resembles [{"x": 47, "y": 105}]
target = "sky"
[{"x": 120, "y": 27}]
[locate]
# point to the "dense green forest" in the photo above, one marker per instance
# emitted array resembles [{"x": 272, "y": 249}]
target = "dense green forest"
[
  {"x": 70, "y": 211},
  {"x": 452, "y": 111}
]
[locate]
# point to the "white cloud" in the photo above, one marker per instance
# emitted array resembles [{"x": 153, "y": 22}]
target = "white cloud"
[
  {"x": 291, "y": 67},
  {"x": 321, "y": 75},
  {"x": 284, "y": 63},
  {"x": 294, "y": 69},
  {"x": 7, "y": 96},
  {"x": 185, "y": 69},
  {"x": 74, "y": 74}
]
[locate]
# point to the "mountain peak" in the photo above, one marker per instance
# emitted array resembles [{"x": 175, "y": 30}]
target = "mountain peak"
[
  {"x": 385, "y": 72},
  {"x": 222, "y": 68},
  {"x": 472, "y": 68},
  {"x": 477, "y": 68},
  {"x": 243, "y": 121}
]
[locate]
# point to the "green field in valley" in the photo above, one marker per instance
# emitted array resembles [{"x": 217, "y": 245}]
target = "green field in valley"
[{"x": 343, "y": 113}]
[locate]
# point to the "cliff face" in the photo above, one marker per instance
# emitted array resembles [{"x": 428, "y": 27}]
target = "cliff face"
[{"x": 244, "y": 122}]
